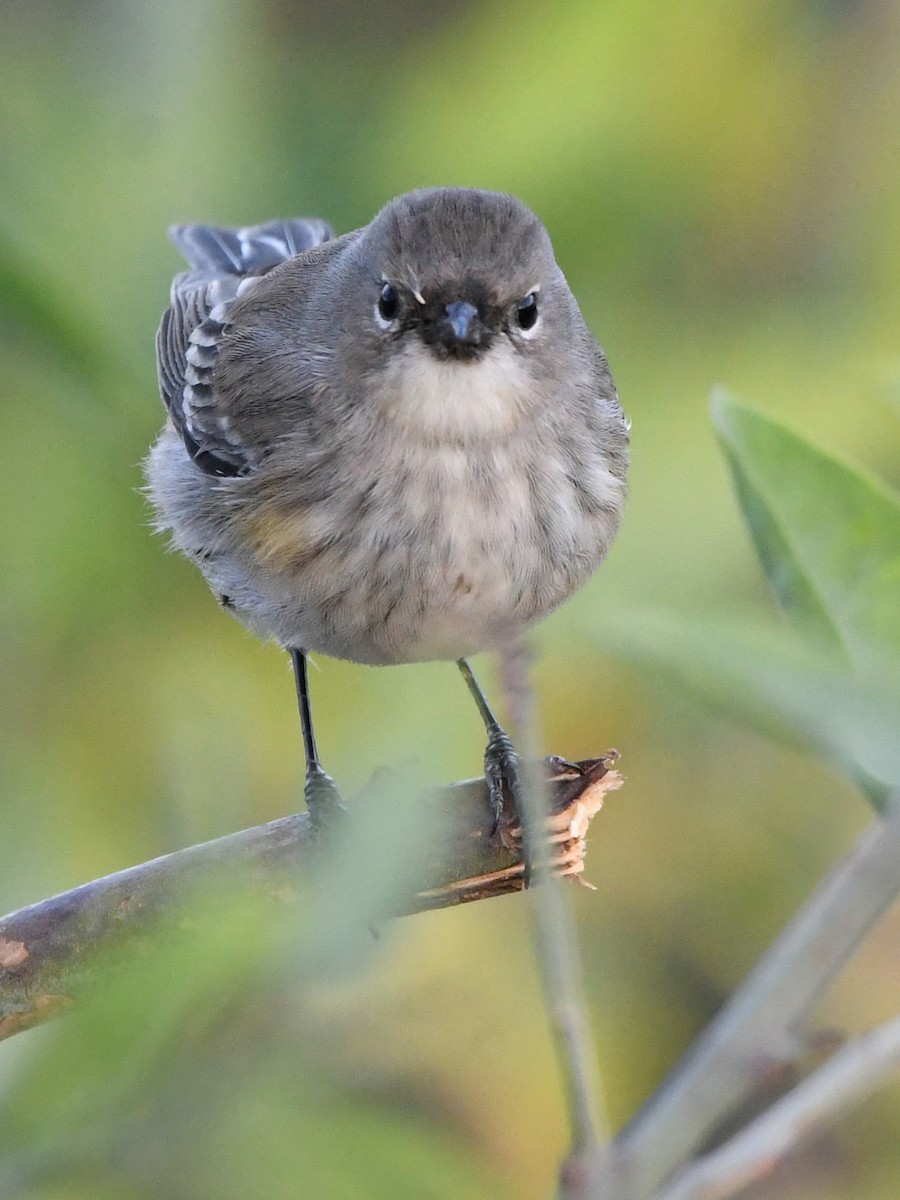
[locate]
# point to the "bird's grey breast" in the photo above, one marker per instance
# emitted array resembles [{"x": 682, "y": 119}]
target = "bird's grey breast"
[{"x": 464, "y": 518}]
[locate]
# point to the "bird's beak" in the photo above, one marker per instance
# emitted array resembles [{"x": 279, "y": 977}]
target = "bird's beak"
[
  {"x": 461, "y": 315},
  {"x": 457, "y": 330}
]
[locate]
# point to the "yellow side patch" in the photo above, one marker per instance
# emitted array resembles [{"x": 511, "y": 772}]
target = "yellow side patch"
[{"x": 281, "y": 539}]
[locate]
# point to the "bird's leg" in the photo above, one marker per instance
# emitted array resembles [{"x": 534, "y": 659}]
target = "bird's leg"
[
  {"x": 320, "y": 791},
  {"x": 501, "y": 762}
]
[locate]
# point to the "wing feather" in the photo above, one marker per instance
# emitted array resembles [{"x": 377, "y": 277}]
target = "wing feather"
[{"x": 224, "y": 264}]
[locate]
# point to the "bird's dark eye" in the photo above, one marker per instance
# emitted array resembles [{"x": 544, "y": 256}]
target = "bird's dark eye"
[
  {"x": 388, "y": 303},
  {"x": 527, "y": 311}
]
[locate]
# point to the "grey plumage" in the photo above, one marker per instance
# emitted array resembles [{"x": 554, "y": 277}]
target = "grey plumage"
[{"x": 376, "y": 483}]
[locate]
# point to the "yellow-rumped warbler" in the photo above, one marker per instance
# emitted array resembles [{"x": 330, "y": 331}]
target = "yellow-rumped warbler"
[{"x": 397, "y": 445}]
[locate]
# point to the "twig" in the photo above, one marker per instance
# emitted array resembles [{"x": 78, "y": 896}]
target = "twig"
[
  {"x": 764, "y": 1020},
  {"x": 556, "y": 946},
  {"x": 856, "y": 1071},
  {"x": 50, "y": 951}
]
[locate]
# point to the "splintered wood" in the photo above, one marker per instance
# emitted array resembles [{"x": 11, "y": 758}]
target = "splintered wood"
[{"x": 575, "y": 793}]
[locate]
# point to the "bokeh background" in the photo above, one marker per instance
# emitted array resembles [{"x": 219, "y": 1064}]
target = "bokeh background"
[{"x": 722, "y": 184}]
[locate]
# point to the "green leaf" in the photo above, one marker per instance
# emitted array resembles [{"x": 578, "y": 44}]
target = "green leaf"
[
  {"x": 771, "y": 681},
  {"x": 828, "y": 537},
  {"x": 827, "y": 534}
]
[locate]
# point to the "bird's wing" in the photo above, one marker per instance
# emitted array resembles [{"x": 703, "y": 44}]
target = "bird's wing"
[{"x": 224, "y": 264}]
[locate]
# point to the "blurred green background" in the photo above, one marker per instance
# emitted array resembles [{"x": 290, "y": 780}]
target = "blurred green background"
[{"x": 722, "y": 185}]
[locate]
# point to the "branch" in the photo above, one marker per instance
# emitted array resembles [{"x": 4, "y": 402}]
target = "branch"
[
  {"x": 50, "y": 951},
  {"x": 555, "y": 940},
  {"x": 856, "y": 1071},
  {"x": 764, "y": 1021}
]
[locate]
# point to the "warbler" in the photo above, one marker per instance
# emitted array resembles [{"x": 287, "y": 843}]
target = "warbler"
[{"x": 397, "y": 445}]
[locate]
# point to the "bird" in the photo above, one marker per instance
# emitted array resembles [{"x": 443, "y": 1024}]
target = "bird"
[{"x": 397, "y": 445}]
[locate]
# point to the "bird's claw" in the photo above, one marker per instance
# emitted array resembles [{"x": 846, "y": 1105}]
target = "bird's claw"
[
  {"x": 323, "y": 800},
  {"x": 503, "y": 775}
]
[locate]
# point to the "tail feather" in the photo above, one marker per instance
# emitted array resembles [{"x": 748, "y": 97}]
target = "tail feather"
[{"x": 217, "y": 250}]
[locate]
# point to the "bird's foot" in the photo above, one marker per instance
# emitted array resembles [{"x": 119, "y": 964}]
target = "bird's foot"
[
  {"x": 504, "y": 778},
  {"x": 503, "y": 772},
  {"x": 323, "y": 800},
  {"x": 561, "y": 842}
]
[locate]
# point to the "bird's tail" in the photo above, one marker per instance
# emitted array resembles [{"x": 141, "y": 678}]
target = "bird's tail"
[{"x": 214, "y": 250}]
